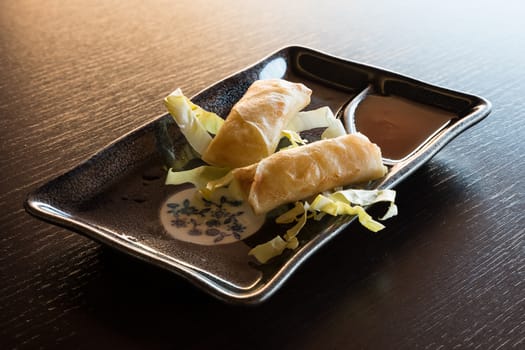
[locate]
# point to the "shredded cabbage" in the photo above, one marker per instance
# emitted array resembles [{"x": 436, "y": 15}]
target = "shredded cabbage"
[
  {"x": 234, "y": 190},
  {"x": 199, "y": 177},
  {"x": 294, "y": 138},
  {"x": 266, "y": 251},
  {"x": 351, "y": 202},
  {"x": 336, "y": 207},
  {"x": 365, "y": 197},
  {"x": 369, "y": 197},
  {"x": 343, "y": 202},
  {"x": 195, "y": 123},
  {"x": 318, "y": 118},
  {"x": 299, "y": 214},
  {"x": 211, "y": 121},
  {"x": 292, "y": 214}
]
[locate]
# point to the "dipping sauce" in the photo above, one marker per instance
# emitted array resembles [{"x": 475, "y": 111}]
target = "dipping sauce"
[
  {"x": 398, "y": 126},
  {"x": 188, "y": 217}
]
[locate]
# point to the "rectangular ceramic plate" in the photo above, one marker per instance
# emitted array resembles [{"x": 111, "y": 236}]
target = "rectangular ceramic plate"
[{"x": 115, "y": 196}]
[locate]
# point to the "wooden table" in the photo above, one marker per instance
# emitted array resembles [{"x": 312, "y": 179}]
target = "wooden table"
[{"x": 448, "y": 272}]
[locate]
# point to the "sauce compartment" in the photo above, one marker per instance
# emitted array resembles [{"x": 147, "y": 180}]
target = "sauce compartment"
[{"x": 402, "y": 118}]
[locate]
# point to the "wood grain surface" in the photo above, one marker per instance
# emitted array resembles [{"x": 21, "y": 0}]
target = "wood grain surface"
[{"x": 448, "y": 272}]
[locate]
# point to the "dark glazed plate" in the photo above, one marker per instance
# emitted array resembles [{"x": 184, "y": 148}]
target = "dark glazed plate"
[{"x": 115, "y": 196}]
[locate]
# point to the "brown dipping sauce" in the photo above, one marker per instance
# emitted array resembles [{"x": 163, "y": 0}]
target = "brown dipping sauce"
[{"x": 398, "y": 126}]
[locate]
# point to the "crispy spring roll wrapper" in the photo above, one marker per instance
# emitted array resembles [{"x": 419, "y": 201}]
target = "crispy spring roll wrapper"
[
  {"x": 253, "y": 127},
  {"x": 300, "y": 172}
]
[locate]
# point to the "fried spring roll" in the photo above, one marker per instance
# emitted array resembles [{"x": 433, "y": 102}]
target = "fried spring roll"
[
  {"x": 301, "y": 172},
  {"x": 253, "y": 127}
]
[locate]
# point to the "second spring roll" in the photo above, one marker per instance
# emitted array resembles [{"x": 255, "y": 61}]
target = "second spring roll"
[
  {"x": 253, "y": 127},
  {"x": 300, "y": 172}
]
